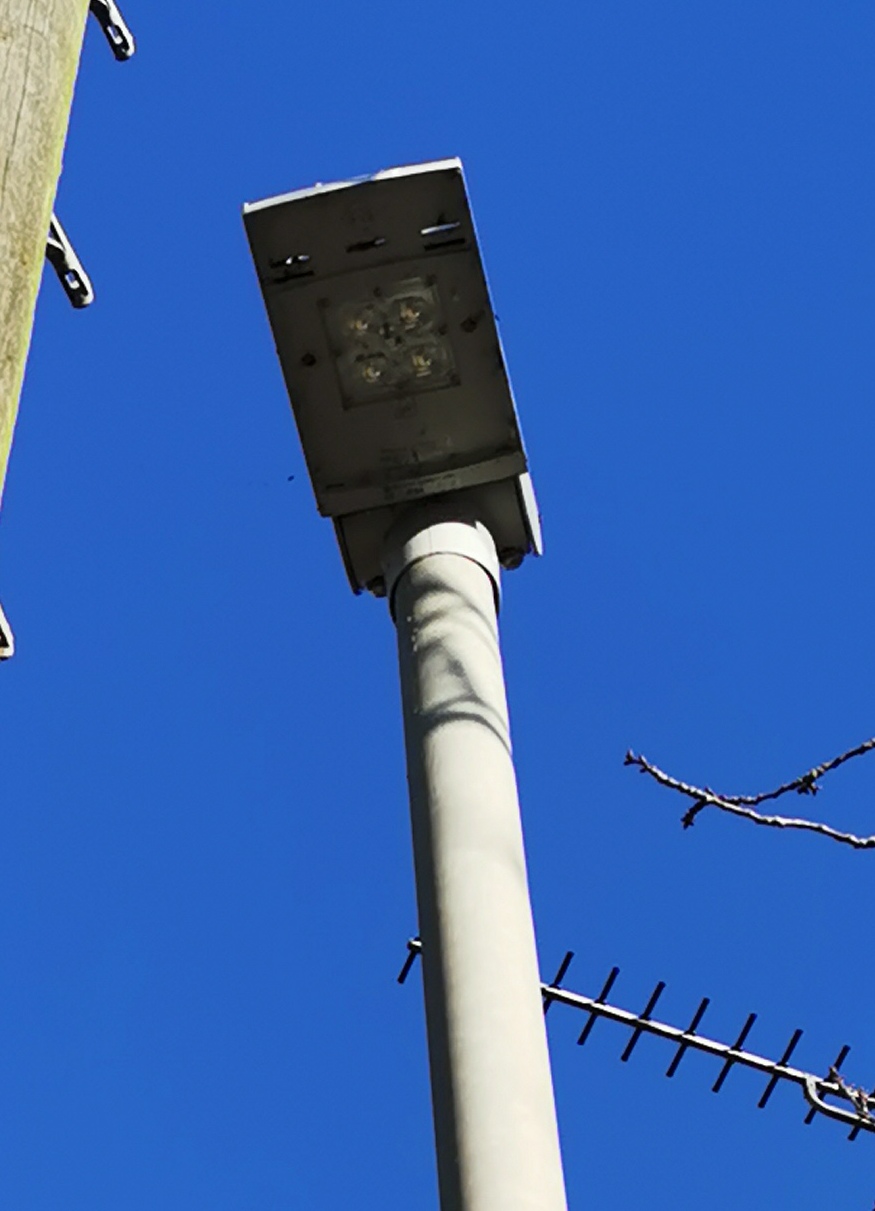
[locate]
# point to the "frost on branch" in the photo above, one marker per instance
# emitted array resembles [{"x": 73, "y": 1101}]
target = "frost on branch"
[{"x": 746, "y": 805}]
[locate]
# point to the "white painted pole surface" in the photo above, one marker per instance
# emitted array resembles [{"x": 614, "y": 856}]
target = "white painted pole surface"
[{"x": 492, "y": 1095}]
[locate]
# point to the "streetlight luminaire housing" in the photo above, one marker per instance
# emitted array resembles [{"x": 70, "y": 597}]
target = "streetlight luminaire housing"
[{"x": 382, "y": 320}]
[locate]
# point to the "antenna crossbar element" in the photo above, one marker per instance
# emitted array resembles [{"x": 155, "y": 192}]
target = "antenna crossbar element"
[
  {"x": 856, "y": 1109},
  {"x": 857, "y": 1112}
]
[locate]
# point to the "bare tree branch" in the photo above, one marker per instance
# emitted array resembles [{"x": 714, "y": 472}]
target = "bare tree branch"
[{"x": 743, "y": 805}]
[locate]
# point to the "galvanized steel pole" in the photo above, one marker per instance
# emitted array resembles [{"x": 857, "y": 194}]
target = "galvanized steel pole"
[{"x": 492, "y": 1095}]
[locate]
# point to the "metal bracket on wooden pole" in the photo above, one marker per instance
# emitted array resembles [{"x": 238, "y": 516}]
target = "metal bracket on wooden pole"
[
  {"x": 7, "y": 641},
  {"x": 114, "y": 26},
  {"x": 61, "y": 255}
]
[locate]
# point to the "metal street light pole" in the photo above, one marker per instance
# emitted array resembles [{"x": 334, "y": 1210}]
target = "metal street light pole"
[
  {"x": 492, "y": 1096},
  {"x": 387, "y": 339}
]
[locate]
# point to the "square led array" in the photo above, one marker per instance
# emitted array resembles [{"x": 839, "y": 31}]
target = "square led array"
[{"x": 393, "y": 342}]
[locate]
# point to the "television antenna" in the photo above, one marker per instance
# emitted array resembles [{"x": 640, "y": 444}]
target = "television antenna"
[{"x": 831, "y": 1096}]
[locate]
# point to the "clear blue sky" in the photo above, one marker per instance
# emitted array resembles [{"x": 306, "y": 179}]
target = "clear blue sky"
[{"x": 205, "y": 880}]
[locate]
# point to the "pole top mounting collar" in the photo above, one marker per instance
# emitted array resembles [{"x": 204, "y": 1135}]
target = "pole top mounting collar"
[{"x": 436, "y": 529}]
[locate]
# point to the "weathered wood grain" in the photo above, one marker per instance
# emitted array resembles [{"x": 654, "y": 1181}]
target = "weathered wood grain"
[{"x": 40, "y": 45}]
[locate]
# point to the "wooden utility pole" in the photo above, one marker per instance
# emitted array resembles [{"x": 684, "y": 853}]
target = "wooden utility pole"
[{"x": 40, "y": 45}]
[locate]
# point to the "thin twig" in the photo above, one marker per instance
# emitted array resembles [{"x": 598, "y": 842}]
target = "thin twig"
[
  {"x": 805, "y": 784},
  {"x": 741, "y": 805}
]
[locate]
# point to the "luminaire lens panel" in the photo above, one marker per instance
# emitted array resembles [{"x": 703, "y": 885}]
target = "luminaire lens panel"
[{"x": 391, "y": 344}]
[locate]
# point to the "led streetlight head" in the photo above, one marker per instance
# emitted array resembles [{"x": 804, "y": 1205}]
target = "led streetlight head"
[{"x": 385, "y": 332}]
